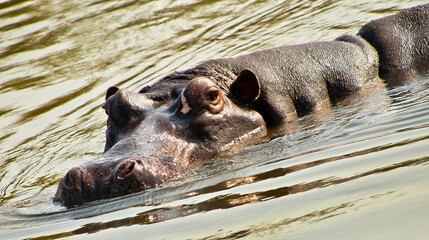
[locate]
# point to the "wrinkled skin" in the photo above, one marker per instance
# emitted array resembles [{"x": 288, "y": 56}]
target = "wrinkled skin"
[
  {"x": 223, "y": 105},
  {"x": 401, "y": 40},
  {"x": 339, "y": 75}
]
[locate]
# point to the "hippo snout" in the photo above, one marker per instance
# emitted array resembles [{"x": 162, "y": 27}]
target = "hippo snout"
[
  {"x": 104, "y": 180},
  {"x": 77, "y": 185},
  {"x": 72, "y": 177}
]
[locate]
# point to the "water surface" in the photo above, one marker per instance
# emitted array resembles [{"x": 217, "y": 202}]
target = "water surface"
[{"x": 359, "y": 171}]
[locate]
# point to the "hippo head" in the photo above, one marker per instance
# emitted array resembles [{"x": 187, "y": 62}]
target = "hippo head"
[{"x": 201, "y": 122}]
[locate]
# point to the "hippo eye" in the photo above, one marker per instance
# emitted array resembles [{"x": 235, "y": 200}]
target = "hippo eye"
[
  {"x": 213, "y": 100},
  {"x": 212, "y": 95}
]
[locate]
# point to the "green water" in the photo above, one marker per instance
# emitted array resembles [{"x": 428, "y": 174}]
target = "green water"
[{"x": 359, "y": 172}]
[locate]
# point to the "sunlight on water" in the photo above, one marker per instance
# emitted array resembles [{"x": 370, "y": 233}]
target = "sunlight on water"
[{"x": 357, "y": 172}]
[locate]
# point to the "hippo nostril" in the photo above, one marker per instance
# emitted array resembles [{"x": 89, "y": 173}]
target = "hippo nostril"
[
  {"x": 68, "y": 181},
  {"x": 125, "y": 169},
  {"x": 72, "y": 177}
]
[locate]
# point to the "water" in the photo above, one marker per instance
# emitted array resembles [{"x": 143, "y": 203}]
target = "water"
[{"x": 359, "y": 171}]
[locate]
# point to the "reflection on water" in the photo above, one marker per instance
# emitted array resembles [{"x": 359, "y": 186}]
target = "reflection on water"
[
  {"x": 362, "y": 165},
  {"x": 234, "y": 200}
]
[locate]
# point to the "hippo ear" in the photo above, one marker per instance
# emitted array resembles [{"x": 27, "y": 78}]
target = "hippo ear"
[
  {"x": 111, "y": 91},
  {"x": 246, "y": 86}
]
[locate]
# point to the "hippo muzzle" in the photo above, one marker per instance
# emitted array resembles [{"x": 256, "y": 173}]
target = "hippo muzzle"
[{"x": 104, "y": 180}]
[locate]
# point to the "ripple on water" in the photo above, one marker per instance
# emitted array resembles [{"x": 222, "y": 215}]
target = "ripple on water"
[{"x": 361, "y": 166}]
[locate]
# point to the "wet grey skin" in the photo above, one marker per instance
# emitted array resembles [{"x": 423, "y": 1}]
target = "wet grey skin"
[
  {"x": 164, "y": 143},
  {"x": 223, "y": 105}
]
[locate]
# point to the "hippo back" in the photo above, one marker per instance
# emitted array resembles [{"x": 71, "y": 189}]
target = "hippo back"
[
  {"x": 401, "y": 40},
  {"x": 296, "y": 78}
]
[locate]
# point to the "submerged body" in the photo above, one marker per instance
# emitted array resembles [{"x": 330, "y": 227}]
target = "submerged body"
[
  {"x": 223, "y": 105},
  {"x": 286, "y": 87}
]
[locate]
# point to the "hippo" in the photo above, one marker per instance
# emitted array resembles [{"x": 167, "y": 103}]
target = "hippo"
[
  {"x": 126, "y": 109},
  {"x": 223, "y": 105}
]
